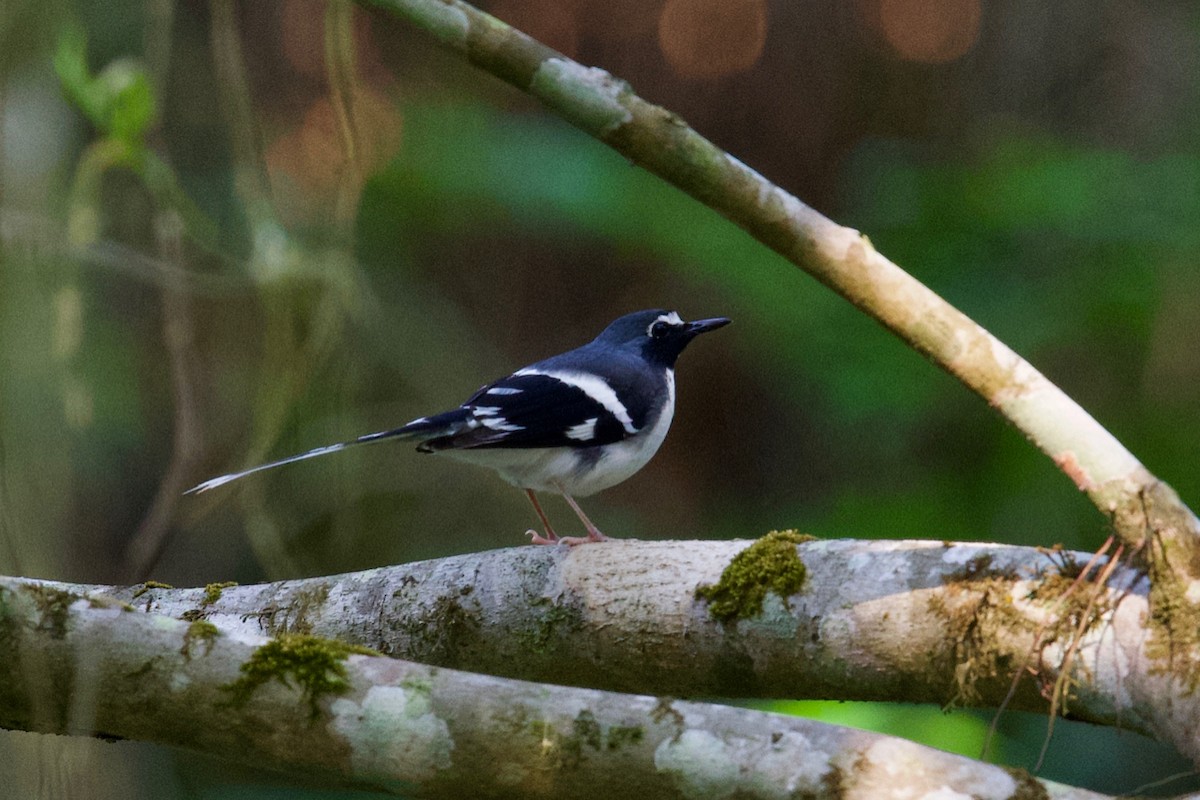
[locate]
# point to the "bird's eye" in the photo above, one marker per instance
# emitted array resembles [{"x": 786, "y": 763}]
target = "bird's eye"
[{"x": 659, "y": 329}]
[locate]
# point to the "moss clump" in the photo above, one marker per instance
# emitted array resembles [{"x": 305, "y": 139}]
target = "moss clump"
[
  {"x": 558, "y": 621},
  {"x": 201, "y": 631},
  {"x": 1174, "y": 627},
  {"x": 147, "y": 586},
  {"x": 1168, "y": 553},
  {"x": 1174, "y": 620},
  {"x": 313, "y": 665},
  {"x": 587, "y": 730},
  {"x": 977, "y": 568},
  {"x": 978, "y": 610},
  {"x": 587, "y": 733},
  {"x": 303, "y": 604},
  {"x": 54, "y": 606},
  {"x": 621, "y": 735},
  {"x": 663, "y": 710},
  {"x": 106, "y": 601},
  {"x": 769, "y": 565},
  {"x": 212, "y": 591}
]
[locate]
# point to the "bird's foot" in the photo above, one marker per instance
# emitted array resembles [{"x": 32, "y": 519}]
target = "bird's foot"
[
  {"x": 594, "y": 535},
  {"x": 536, "y": 538}
]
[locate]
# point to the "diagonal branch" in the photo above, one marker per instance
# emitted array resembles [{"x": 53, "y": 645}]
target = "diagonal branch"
[
  {"x": 76, "y": 662},
  {"x": 1139, "y": 505}
]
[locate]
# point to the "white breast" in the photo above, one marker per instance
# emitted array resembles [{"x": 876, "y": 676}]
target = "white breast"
[{"x": 623, "y": 459}]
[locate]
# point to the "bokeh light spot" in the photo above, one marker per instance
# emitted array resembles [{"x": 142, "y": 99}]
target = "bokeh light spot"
[
  {"x": 712, "y": 38},
  {"x": 930, "y": 31},
  {"x": 306, "y": 164}
]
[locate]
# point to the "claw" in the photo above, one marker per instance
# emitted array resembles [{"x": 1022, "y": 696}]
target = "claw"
[
  {"x": 594, "y": 534},
  {"x": 537, "y": 538}
]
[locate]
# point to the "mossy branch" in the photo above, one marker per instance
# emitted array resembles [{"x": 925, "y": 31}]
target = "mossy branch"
[
  {"x": 1139, "y": 505},
  {"x": 71, "y": 661},
  {"x": 902, "y": 621}
]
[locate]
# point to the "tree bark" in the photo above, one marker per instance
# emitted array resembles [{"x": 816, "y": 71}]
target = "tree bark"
[
  {"x": 75, "y": 659},
  {"x": 908, "y": 621}
]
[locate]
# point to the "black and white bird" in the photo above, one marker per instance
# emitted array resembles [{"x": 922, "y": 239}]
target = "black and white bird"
[{"x": 573, "y": 424}]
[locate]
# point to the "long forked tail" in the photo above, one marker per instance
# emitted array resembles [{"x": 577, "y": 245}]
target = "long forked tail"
[{"x": 423, "y": 428}]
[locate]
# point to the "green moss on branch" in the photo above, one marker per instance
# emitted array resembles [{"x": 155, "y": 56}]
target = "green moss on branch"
[
  {"x": 771, "y": 564},
  {"x": 314, "y": 665}
]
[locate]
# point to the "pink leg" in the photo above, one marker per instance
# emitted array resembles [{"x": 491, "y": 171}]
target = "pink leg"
[
  {"x": 594, "y": 534},
  {"x": 535, "y": 538}
]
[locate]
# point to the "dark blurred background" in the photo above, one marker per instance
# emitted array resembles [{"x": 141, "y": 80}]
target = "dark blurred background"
[{"x": 233, "y": 232}]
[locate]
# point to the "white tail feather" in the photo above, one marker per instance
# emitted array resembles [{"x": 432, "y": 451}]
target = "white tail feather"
[
  {"x": 370, "y": 438},
  {"x": 213, "y": 483}
]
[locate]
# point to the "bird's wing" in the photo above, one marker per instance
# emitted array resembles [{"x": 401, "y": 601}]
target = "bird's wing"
[{"x": 541, "y": 408}]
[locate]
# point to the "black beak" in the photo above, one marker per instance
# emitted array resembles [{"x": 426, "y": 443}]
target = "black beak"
[{"x": 705, "y": 325}]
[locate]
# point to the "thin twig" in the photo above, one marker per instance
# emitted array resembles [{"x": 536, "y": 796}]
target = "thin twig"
[
  {"x": 1036, "y": 646},
  {"x": 147, "y": 544},
  {"x": 1061, "y": 681},
  {"x": 340, "y": 69}
]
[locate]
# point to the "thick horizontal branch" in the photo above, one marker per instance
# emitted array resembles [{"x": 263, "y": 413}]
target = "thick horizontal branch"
[
  {"x": 658, "y": 140},
  {"x": 72, "y": 661},
  {"x": 902, "y": 621}
]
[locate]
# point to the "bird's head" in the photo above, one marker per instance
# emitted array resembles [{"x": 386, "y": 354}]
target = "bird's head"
[{"x": 658, "y": 335}]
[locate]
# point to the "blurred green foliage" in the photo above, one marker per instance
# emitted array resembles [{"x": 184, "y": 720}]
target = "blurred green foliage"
[
  {"x": 492, "y": 235},
  {"x": 118, "y": 102}
]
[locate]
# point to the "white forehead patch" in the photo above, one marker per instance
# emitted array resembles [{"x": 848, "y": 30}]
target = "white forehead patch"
[{"x": 671, "y": 318}]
